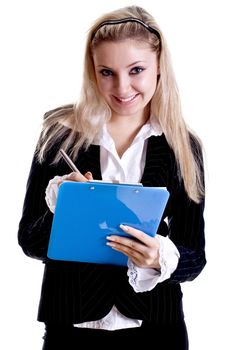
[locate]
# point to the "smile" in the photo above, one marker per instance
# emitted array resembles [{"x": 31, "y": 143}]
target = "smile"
[{"x": 126, "y": 99}]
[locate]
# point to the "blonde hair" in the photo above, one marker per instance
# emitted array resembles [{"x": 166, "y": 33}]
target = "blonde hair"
[{"x": 88, "y": 116}]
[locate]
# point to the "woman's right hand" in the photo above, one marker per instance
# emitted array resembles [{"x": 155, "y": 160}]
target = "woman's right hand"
[
  {"x": 53, "y": 186},
  {"x": 76, "y": 177}
]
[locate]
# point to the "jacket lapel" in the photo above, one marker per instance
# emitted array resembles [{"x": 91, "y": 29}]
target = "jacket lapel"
[
  {"x": 156, "y": 167},
  {"x": 90, "y": 161}
]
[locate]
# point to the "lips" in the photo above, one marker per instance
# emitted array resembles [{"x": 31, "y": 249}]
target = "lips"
[{"x": 126, "y": 99}]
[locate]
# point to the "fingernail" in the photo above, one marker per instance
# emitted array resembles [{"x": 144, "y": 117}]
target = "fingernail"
[{"x": 123, "y": 227}]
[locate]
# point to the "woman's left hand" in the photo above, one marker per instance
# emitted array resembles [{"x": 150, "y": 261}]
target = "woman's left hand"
[{"x": 144, "y": 251}]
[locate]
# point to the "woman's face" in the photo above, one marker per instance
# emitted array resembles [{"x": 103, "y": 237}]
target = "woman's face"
[{"x": 126, "y": 73}]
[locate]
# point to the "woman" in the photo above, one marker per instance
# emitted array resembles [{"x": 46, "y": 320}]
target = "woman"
[{"x": 127, "y": 126}]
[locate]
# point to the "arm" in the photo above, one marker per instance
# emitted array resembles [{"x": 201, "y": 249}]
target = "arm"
[
  {"x": 39, "y": 205},
  {"x": 186, "y": 230},
  {"x": 36, "y": 220}
]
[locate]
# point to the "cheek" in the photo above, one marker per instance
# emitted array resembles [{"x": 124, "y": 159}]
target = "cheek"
[
  {"x": 103, "y": 85},
  {"x": 152, "y": 82},
  {"x": 147, "y": 84}
]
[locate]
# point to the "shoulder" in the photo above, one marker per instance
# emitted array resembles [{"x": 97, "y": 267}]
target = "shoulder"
[
  {"x": 57, "y": 129},
  {"x": 63, "y": 115},
  {"x": 63, "y": 110}
]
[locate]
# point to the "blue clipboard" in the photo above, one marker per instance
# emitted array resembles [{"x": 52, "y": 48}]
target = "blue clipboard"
[{"x": 87, "y": 212}]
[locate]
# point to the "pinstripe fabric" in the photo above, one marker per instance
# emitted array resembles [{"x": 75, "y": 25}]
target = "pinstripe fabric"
[{"x": 78, "y": 292}]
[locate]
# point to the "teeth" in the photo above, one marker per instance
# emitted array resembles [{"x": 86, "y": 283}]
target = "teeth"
[{"x": 126, "y": 99}]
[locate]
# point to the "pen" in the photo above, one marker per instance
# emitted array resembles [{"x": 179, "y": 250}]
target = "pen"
[{"x": 69, "y": 161}]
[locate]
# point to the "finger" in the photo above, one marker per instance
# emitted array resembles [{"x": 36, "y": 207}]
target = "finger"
[
  {"x": 88, "y": 176},
  {"x": 128, "y": 245},
  {"x": 75, "y": 176},
  {"x": 140, "y": 235},
  {"x": 129, "y": 251}
]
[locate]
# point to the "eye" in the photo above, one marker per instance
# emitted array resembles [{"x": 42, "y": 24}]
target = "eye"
[
  {"x": 137, "y": 70},
  {"x": 106, "y": 72}
]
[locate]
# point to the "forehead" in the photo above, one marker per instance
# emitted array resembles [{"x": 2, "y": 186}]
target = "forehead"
[{"x": 123, "y": 51}]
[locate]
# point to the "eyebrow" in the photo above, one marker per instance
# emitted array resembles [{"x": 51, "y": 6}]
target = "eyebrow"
[{"x": 130, "y": 65}]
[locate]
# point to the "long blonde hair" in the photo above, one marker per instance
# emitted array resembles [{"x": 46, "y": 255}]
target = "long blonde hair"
[{"x": 87, "y": 117}]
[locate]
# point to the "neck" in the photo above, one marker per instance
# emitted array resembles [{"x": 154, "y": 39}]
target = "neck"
[
  {"x": 131, "y": 121},
  {"x": 123, "y": 131}
]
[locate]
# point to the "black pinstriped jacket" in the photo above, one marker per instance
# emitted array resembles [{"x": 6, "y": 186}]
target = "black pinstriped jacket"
[{"x": 77, "y": 292}]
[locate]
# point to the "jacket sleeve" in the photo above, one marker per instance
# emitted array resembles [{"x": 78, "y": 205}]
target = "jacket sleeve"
[
  {"x": 187, "y": 231},
  {"x": 35, "y": 223}
]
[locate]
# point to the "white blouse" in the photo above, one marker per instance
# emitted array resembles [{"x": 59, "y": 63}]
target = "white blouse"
[{"x": 128, "y": 168}]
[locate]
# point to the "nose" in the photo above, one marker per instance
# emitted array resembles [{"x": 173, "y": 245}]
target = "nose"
[{"x": 122, "y": 84}]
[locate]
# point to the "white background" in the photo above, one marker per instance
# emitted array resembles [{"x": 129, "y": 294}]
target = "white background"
[{"x": 41, "y": 68}]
